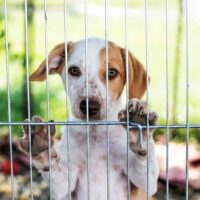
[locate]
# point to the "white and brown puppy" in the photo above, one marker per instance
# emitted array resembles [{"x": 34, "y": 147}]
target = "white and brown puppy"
[{"x": 96, "y": 63}]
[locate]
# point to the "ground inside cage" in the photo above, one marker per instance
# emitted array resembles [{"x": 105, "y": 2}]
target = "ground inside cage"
[{"x": 177, "y": 179}]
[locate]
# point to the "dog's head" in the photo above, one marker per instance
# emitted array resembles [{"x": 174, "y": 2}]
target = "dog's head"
[{"x": 96, "y": 76}]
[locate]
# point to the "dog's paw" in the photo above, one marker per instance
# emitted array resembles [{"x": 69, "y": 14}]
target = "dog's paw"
[
  {"x": 138, "y": 111},
  {"x": 39, "y": 137}
]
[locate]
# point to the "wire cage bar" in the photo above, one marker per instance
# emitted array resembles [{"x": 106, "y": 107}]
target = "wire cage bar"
[
  {"x": 87, "y": 99},
  {"x": 28, "y": 96},
  {"x": 47, "y": 94},
  {"x": 107, "y": 89},
  {"x": 167, "y": 101},
  {"x": 9, "y": 99},
  {"x": 67, "y": 101},
  {"x": 187, "y": 100},
  {"x": 147, "y": 85}
]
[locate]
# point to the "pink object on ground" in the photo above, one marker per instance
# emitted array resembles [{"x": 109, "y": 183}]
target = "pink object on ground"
[{"x": 177, "y": 165}]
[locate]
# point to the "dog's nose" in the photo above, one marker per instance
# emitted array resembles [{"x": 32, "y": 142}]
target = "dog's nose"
[{"x": 93, "y": 107}]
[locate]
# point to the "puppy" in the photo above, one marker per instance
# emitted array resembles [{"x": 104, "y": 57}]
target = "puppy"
[{"x": 118, "y": 175}]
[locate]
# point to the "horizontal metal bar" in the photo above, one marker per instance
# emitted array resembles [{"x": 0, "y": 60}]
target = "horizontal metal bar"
[{"x": 74, "y": 123}]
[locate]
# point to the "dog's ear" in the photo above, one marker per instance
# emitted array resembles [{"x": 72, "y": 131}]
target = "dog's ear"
[
  {"x": 56, "y": 62},
  {"x": 137, "y": 76}
]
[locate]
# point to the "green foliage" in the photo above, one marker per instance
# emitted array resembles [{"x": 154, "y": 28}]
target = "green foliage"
[
  {"x": 38, "y": 108},
  {"x": 2, "y": 31},
  {"x": 179, "y": 135},
  {"x": 16, "y": 106}
]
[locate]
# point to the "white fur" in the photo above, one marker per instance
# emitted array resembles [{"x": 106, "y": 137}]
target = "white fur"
[{"x": 97, "y": 141}]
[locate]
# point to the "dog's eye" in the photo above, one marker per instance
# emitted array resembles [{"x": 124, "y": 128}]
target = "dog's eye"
[
  {"x": 74, "y": 71},
  {"x": 112, "y": 73}
]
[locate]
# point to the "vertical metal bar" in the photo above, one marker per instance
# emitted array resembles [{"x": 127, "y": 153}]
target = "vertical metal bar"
[
  {"x": 9, "y": 100},
  {"x": 147, "y": 94},
  {"x": 187, "y": 97},
  {"x": 127, "y": 97},
  {"x": 167, "y": 102},
  {"x": 87, "y": 103},
  {"x": 107, "y": 88},
  {"x": 28, "y": 96},
  {"x": 47, "y": 94},
  {"x": 67, "y": 105}
]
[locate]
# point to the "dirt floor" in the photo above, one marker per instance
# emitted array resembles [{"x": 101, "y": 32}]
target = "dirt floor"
[{"x": 41, "y": 190}]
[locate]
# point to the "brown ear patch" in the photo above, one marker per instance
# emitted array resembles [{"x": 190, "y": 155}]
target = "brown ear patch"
[
  {"x": 56, "y": 62},
  {"x": 117, "y": 60},
  {"x": 137, "y": 76}
]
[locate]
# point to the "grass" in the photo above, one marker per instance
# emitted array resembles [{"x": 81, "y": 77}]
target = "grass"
[{"x": 136, "y": 43}]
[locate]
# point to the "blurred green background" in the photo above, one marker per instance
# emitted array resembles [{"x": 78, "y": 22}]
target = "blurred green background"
[{"x": 116, "y": 33}]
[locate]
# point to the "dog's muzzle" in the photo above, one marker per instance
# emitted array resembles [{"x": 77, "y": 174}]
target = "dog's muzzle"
[{"x": 93, "y": 107}]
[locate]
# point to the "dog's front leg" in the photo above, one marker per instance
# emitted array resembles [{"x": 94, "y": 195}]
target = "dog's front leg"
[
  {"x": 138, "y": 156},
  {"x": 40, "y": 155}
]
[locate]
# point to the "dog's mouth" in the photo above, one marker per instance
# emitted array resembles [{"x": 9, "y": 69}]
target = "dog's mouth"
[{"x": 93, "y": 109}]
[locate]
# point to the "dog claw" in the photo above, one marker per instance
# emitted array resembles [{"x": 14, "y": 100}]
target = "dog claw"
[
  {"x": 25, "y": 127},
  {"x": 37, "y": 128},
  {"x": 52, "y": 128},
  {"x": 122, "y": 116},
  {"x": 39, "y": 136},
  {"x": 138, "y": 113},
  {"x": 153, "y": 118}
]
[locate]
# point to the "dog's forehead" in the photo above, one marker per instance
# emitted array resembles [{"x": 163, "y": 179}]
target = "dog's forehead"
[{"x": 94, "y": 47}]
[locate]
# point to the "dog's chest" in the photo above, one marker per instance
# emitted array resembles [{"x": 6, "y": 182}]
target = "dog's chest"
[
  {"x": 98, "y": 162},
  {"x": 98, "y": 180}
]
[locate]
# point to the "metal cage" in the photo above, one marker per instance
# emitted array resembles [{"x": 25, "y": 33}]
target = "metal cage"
[{"x": 187, "y": 126}]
